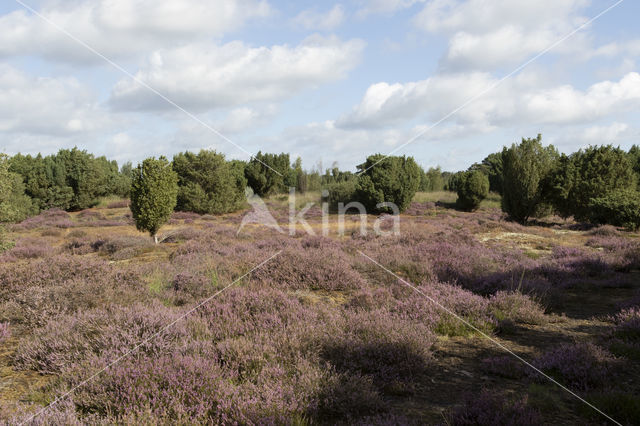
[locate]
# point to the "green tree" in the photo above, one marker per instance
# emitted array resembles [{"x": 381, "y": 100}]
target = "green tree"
[
  {"x": 432, "y": 180},
  {"x": 208, "y": 183},
  {"x": 268, "y": 173},
  {"x": 473, "y": 187},
  {"x": 634, "y": 157},
  {"x": 154, "y": 191},
  {"x": 15, "y": 205},
  {"x": 391, "y": 179},
  {"x": 492, "y": 167},
  {"x": 619, "y": 208},
  {"x": 525, "y": 168},
  {"x": 592, "y": 173}
]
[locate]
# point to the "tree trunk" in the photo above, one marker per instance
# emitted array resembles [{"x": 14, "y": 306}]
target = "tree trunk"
[{"x": 155, "y": 238}]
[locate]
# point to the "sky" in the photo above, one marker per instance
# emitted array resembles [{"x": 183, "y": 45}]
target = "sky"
[{"x": 445, "y": 81}]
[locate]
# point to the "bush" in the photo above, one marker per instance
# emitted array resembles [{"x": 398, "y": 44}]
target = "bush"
[
  {"x": 594, "y": 173},
  {"x": 267, "y": 173},
  {"x": 342, "y": 192},
  {"x": 492, "y": 409},
  {"x": 619, "y": 208},
  {"x": 581, "y": 366},
  {"x": 390, "y": 179},
  {"x": 525, "y": 168},
  {"x": 154, "y": 190},
  {"x": 473, "y": 187},
  {"x": 208, "y": 183}
]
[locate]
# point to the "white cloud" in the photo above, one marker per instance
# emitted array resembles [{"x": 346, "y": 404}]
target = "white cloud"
[
  {"x": 52, "y": 106},
  {"x": 520, "y": 100},
  {"x": 120, "y": 27},
  {"x": 245, "y": 119},
  {"x": 311, "y": 19},
  {"x": 384, "y": 7},
  {"x": 485, "y": 34},
  {"x": 204, "y": 77}
]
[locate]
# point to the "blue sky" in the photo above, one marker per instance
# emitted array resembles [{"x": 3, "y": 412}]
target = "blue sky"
[{"x": 322, "y": 80}]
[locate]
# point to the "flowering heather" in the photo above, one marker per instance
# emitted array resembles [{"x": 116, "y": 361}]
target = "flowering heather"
[
  {"x": 185, "y": 215},
  {"x": 492, "y": 409},
  {"x": 311, "y": 268},
  {"x": 581, "y": 366},
  {"x": 516, "y": 307},
  {"x": 118, "y": 204},
  {"x": 109, "y": 331},
  {"x": 48, "y": 218},
  {"x": 504, "y": 366},
  {"x": 5, "y": 331}
]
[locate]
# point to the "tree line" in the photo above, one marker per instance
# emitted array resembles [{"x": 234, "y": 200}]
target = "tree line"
[{"x": 598, "y": 184}]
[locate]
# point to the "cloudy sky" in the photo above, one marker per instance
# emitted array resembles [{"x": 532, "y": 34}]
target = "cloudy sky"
[{"x": 327, "y": 81}]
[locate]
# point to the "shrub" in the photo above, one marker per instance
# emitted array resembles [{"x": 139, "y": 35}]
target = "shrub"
[
  {"x": 619, "y": 208},
  {"x": 5, "y": 331},
  {"x": 493, "y": 409},
  {"x": 266, "y": 173},
  {"x": 593, "y": 173},
  {"x": 208, "y": 183},
  {"x": 517, "y": 307},
  {"x": 341, "y": 192},
  {"x": 581, "y": 366},
  {"x": 473, "y": 187},
  {"x": 388, "y": 179},
  {"x": 153, "y": 194},
  {"x": 525, "y": 168}
]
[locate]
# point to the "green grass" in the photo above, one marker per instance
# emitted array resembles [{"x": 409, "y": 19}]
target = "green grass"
[{"x": 448, "y": 198}]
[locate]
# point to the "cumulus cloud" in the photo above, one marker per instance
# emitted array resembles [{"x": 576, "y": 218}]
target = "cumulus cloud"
[
  {"x": 208, "y": 76},
  {"x": 485, "y": 34},
  {"x": 52, "y": 106},
  {"x": 514, "y": 101},
  {"x": 311, "y": 19},
  {"x": 119, "y": 28}
]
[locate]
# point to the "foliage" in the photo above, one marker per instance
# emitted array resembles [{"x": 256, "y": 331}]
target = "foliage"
[
  {"x": 525, "y": 168},
  {"x": 392, "y": 179},
  {"x": 14, "y": 204},
  {"x": 341, "y": 192},
  {"x": 492, "y": 167},
  {"x": 70, "y": 180},
  {"x": 619, "y": 208},
  {"x": 473, "y": 187},
  {"x": 154, "y": 191},
  {"x": 432, "y": 180},
  {"x": 208, "y": 183},
  {"x": 588, "y": 174},
  {"x": 268, "y": 173}
]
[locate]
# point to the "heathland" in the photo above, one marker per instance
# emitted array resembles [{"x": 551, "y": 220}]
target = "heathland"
[{"x": 101, "y": 325}]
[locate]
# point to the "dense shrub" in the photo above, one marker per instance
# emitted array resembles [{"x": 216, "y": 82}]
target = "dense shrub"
[
  {"x": 525, "y": 168},
  {"x": 593, "y": 173},
  {"x": 342, "y": 192},
  {"x": 15, "y": 205},
  {"x": 208, "y": 183},
  {"x": 473, "y": 187},
  {"x": 71, "y": 179},
  {"x": 153, "y": 194},
  {"x": 619, "y": 208},
  {"x": 580, "y": 366},
  {"x": 268, "y": 173},
  {"x": 388, "y": 179},
  {"x": 517, "y": 307},
  {"x": 488, "y": 408}
]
